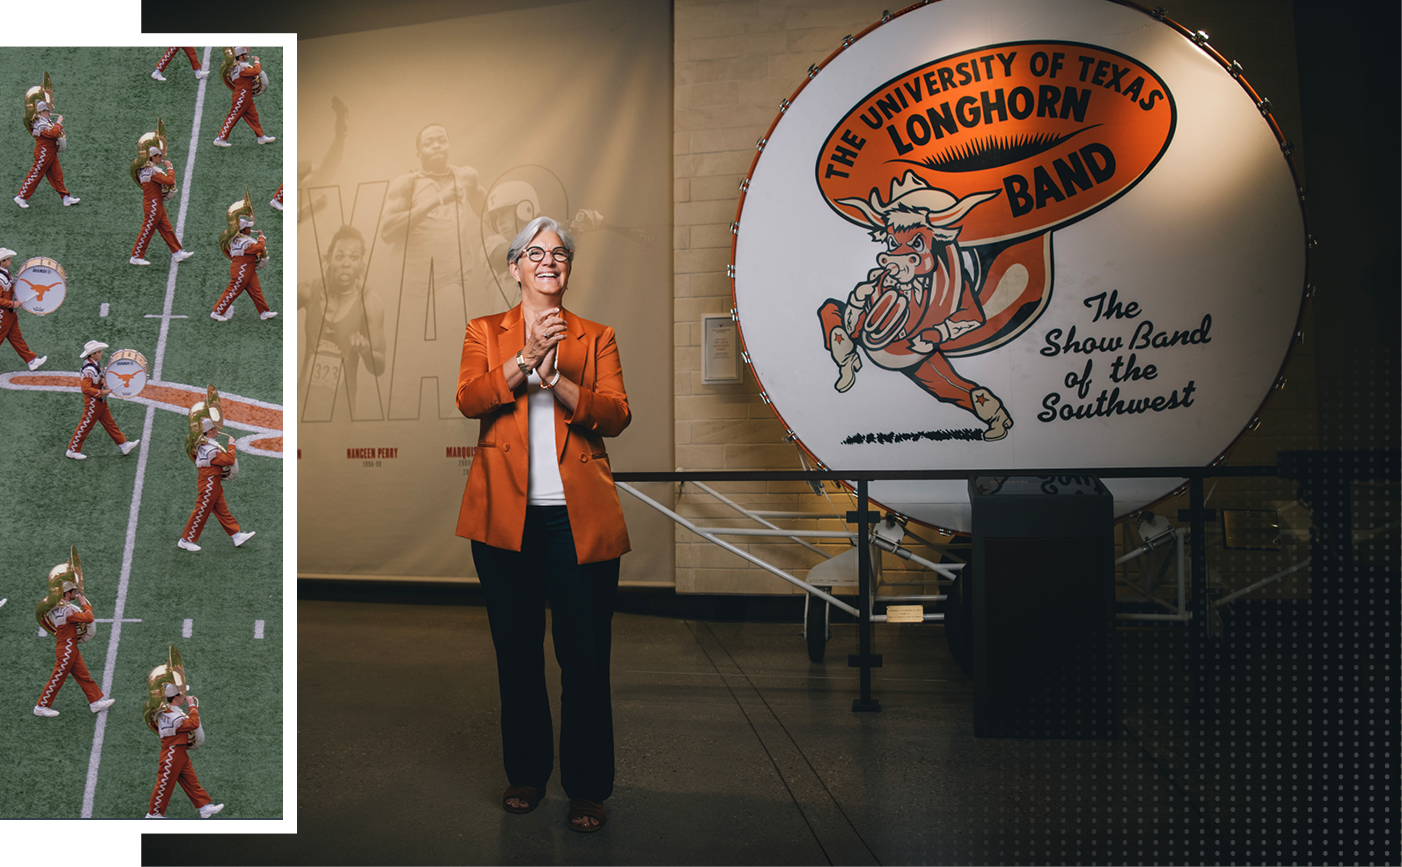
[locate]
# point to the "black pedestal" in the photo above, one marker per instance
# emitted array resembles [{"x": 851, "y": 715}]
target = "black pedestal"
[{"x": 1043, "y": 607}]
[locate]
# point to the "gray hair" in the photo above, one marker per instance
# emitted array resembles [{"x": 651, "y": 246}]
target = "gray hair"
[{"x": 533, "y": 228}]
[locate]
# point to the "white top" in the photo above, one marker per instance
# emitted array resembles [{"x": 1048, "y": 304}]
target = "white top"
[{"x": 545, "y": 487}]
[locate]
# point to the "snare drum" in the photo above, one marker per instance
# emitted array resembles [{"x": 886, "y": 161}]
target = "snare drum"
[
  {"x": 127, "y": 373},
  {"x": 41, "y": 285}
]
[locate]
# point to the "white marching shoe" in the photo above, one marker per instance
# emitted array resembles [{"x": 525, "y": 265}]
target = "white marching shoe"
[
  {"x": 201, "y": 73},
  {"x": 77, "y": 456},
  {"x": 70, "y": 200},
  {"x": 137, "y": 260},
  {"x": 276, "y": 204},
  {"x": 101, "y": 705},
  {"x": 225, "y": 318},
  {"x": 181, "y": 255},
  {"x": 209, "y": 810},
  {"x": 44, "y": 711},
  {"x": 219, "y": 142},
  {"x": 127, "y": 446},
  {"x": 154, "y": 816},
  {"x": 156, "y": 74},
  {"x": 187, "y": 546},
  {"x": 264, "y": 139},
  {"x": 38, "y": 362},
  {"x": 267, "y": 314},
  {"x": 240, "y": 538},
  {"x": 21, "y": 202}
]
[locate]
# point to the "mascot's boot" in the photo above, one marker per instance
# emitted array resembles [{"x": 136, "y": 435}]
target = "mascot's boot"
[
  {"x": 990, "y": 409},
  {"x": 844, "y": 354}
]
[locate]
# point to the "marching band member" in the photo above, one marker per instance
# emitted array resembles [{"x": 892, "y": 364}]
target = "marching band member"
[
  {"x": 211, "y": 460},
  {"x": 243, "y": 252},
  {"x": 277, "y": 198},
  {"x": 46, "y": 131},
  {"x": 170, "y": 55},
  {"x": 153, "y": 209},
  {"x": 65, "y": 618},
  {"x": 95, "y": 409},
  {"x": 242, "y": 76},
  {"x": 176, "y": 728},
  {"x": 9, "y": 315}
]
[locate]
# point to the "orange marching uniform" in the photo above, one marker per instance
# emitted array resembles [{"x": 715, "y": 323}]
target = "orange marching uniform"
[
  {"x": 95, "y": 409},
  {"x": 209, "y": 497},
  {"x": 46, "y": 132},
  {"x": 153, "y": 210},
  {"x": 244, "y": 251},
  {"x": 9, "y": 318},
  {"x": 170, "y": 55},
  {"x": 244, "y": 76},
  {"x": 67, "y": 658},
  {"x": 176, "y": 729}
]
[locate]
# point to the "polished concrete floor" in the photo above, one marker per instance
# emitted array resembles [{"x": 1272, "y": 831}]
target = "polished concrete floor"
[{"x": 734, "y": 748}]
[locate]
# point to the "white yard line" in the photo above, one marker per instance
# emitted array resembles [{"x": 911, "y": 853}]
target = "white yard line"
[{"x": 109, "y": 668}]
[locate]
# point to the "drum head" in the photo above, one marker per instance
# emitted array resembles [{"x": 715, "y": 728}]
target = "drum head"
[
  {"x": 127, "y": 373},
  {"x": 1019, "y": 234},
  {"x": 41, "y": 286}
]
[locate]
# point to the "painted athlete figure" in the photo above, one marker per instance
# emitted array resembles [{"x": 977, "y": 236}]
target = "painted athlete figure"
[
  {"x": 176, "y": 728},
  {"x": 243, "y": 75},
  {"x": 154, "y": 181},
  {"x": 66, "y": 619},
  {"x": 9, "y": 314},
  {"x": 47, "y": 130},
  {"x": 95, "y": 409},
  {"x": 918, "y": 299}
]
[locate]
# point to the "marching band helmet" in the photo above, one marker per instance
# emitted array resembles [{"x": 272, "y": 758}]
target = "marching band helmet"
[
  {"x": 239, "y": 214},
  {"x": 205, "y": 416},
  {"x": 165, "y": 682},
  {"x": 32, "y": 97},
  {"x": 62, "y": 578},
  {"x": 148, "y": 140}
]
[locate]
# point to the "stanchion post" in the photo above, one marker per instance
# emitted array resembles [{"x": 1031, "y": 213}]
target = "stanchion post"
[
  {"x": 864, "y": 659},
  {"x": 1199, "y": 645}
]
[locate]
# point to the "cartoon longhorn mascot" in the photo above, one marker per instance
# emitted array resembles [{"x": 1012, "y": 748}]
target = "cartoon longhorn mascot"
[{"x": 919, "y": 299}]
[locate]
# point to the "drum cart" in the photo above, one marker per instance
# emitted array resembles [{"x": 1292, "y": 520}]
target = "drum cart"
[{"x": 861, "y": 564}]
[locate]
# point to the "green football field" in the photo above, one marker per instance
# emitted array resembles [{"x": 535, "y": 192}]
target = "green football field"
[{"x": 221, "y": 607}]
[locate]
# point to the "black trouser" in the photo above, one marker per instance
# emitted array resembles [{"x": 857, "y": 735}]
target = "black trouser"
[{"x": 516, "y": 586}]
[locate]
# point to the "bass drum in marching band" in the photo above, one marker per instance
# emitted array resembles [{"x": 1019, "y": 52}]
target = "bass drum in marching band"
[
  {"x": 41, "y": 285},
  {"x": 127, "y": 373}
]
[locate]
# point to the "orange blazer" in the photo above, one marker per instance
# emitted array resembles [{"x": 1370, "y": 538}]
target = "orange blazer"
[{"x": 494, "y": 501}]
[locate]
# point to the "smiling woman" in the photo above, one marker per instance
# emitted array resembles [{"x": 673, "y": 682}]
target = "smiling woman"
[{"x": 545, "y": 521}]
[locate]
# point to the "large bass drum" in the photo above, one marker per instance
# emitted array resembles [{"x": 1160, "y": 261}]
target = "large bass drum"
[
  {"x": 127, "y": 373},
  {"x": 41, "y": 285}
]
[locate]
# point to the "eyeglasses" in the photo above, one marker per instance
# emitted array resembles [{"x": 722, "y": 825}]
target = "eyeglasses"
[{"x": 559, "y": 254}]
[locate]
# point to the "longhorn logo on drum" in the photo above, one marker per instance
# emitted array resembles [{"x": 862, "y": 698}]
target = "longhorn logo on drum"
[{"x": 961, "y": 169}]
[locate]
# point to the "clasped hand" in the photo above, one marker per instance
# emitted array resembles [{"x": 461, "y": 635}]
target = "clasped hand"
[{"x": 544, "y": 330}]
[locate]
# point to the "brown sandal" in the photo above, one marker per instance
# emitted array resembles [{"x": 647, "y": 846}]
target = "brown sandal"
[
  {"x": 529, "y": 794},
  {"x": 580, "y": 809}
]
